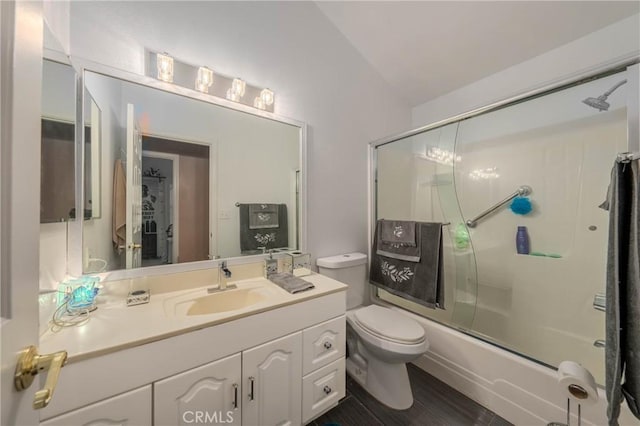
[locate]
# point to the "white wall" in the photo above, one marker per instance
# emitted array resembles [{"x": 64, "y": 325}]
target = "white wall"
[
  {"x": 318, "y": 78},
  {"x": 610, "y": 44}
]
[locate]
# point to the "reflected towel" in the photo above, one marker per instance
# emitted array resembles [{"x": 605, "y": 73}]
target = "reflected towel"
[
  {"x": 252, "y": 240},
  {"x": 263, "y": 216},
  {"x": 290, "y": 282},
  {"x": 420, "y": 282},
  {"x": 119, "y": 211},
  {"x": 398, "y": 249}
]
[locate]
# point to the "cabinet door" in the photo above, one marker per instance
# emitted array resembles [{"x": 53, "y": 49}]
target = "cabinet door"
[
  {"x": 272, "y": 383},
  {"x": 131, "y": 408},
  {"x": 205, "y": 395}
]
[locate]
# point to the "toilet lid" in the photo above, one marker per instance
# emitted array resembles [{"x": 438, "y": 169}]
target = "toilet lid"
[{"x": 388, "y": 324}]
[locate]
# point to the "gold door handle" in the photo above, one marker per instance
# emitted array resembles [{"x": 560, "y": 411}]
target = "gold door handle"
[
  {"x": 134, "y": 246},
  {"x": 30, "y": 364}
]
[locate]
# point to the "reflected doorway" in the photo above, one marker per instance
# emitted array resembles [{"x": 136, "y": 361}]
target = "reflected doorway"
[{"x": 176, "y": 193}]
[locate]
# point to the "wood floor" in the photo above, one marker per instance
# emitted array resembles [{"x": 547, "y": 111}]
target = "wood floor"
[{"x": 435, "y": 403}]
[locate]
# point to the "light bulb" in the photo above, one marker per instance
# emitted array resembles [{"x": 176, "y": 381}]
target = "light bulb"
[
  {"x": 238, "y": 86},
  {"x": 267, "y": 96},
  {"x": 259, "y": 103},
  {"x": 164, "y": 63},
  {"x": 232, "y": 96},
  {"x": 204, "y": 79}
]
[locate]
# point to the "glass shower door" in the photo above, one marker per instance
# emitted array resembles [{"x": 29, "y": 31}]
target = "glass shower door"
[
  {"x": 562, "y": 144},
  {"x": 415, "y": 181},
  {"x": 563, "y": 147}
]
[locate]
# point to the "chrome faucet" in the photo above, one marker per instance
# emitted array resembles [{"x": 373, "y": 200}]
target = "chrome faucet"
[
  {"x": 225, "y": 270},
  {"x": 222, "y": 281}
]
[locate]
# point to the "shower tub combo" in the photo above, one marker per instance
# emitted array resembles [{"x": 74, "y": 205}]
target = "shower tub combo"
[{"x": 511, "y": 318}]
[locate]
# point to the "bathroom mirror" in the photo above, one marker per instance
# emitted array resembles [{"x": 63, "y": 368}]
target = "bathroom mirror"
[
  {"x": 184, "y": 180},
  {"x": 57, "y": 166}
]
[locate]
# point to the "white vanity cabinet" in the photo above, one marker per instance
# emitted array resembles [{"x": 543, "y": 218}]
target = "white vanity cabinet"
[
  {"x": 209, "y": 394},
  {"x": 130, "y": 408}
]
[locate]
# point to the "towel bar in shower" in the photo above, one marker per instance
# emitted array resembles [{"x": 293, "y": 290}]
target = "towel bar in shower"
[{"x": 523, "y": 190}]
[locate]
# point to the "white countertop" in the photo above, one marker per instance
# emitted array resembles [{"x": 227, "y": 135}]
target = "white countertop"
[{"x": 115, "y": 326}]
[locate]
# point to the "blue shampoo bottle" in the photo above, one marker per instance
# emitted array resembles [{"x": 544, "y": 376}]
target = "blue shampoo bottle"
[{"x": 522, "y": 240}]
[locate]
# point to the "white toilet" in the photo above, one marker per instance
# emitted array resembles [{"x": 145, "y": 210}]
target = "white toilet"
[{"x": 380, "y": 340}]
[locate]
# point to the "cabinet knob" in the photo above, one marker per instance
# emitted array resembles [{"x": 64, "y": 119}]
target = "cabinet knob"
[
  {"x": 328, "y": 345},
  {"x": 327, "y": 390}
]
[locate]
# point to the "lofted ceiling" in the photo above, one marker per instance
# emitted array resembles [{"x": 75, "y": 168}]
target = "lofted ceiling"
[{"x": 429, "y": 48}]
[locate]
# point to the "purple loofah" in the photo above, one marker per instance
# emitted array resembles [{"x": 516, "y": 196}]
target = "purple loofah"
[{"x": 521, "y": 205}]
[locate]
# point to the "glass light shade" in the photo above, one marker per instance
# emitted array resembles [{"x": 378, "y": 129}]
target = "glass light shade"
[
  {"x": 259, "y": 103},
  {"x": 267, "y": 96},
  {"x": 233, "y": 96},
  {"x": 204, "y": 79},
  {"x": 164, "y": 64},
  {"x": 238, "y": 86}
]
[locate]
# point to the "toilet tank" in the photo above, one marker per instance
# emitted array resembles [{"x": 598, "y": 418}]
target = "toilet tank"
[{"x": 350, "y": 269}]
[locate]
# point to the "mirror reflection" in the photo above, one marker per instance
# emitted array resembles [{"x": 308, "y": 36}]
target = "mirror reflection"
[
  {"x": 57, "y": 179},
  {"x": 182, "y": 180}
]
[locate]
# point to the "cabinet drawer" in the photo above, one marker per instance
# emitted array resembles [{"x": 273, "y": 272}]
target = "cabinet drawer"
[
  {"x": 322, "y": 389},
  {"x": 130, "y": 408},
  {"x": 323, "y": 344}
]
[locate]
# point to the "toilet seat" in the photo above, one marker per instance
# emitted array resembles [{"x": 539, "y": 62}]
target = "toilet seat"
[{"x": 389, "y": 325}]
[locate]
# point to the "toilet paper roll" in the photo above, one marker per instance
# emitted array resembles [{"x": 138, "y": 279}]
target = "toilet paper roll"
[{"x": 577, "y": 383}]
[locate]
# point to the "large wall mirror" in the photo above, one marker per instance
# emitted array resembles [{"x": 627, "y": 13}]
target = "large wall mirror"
[{"x": 178, "y": 179}]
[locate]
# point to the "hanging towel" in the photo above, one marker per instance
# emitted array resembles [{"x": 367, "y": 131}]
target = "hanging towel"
[
  {"x": 119, "y": 213},
  {"x": 398, "y": 233},
  {"x": 622, "y": 352},
  {"x": 421, "y": 282},
  {"x": 263, "y": 216},
  {"x": 252, "y": 239},
  {"x": 397, "y": 248}
]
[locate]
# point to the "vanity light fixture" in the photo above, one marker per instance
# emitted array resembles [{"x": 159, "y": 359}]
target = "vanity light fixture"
[
  {"x": 259, "y": 103},
  {"x": 238, "y": 86},
  {"x": 165, "y": 67},
  {"x": 204, "y": 79},
  {"x": 267, "y": 97},
  {"x": 233, "y": 96}
]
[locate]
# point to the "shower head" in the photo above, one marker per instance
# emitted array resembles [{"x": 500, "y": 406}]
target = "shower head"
[{"x": 600, "y": 103}]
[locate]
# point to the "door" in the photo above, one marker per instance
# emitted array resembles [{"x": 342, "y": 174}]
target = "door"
[
  {"x": 134, "y": 191},
  {"x": 21, "y": 34},
  {"x": 207, "y": 395},
  {"x": 272, "y": 382}
]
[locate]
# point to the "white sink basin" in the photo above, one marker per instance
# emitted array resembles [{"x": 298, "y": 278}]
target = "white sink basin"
[
  {"x": 245, "y": 296},
  {"x": 228, "y": 300}
]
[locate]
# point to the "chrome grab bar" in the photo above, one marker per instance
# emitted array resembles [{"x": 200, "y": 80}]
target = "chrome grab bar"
[{"x": 523, "y": 190}]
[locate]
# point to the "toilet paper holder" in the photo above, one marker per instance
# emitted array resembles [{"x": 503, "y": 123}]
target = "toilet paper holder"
[{"x": 577, "y": 383}]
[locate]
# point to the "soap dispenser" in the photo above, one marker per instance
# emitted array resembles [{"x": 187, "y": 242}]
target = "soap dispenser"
[{"x": 270, "y": 266}]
